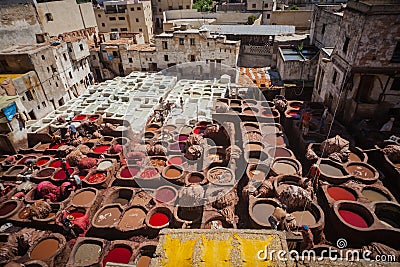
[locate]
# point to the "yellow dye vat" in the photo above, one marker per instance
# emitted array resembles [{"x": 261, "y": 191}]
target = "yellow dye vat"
[
  {"x": 178, "y": 253},
  {"x": 215, "y": 252},
  {"x": 249, "y": 251}
]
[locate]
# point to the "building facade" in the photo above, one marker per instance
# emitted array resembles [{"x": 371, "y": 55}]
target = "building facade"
[
  {"x": 159, "y": 6},
  {"x": 359, "y": 73},
  {"x": 125, "y": 16}
]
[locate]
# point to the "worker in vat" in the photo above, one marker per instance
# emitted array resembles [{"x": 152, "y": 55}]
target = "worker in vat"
[
  {"x": 181, "y": 102},
  {"x": 72, "y": 131},
  {"x": 313, "y": 176}
]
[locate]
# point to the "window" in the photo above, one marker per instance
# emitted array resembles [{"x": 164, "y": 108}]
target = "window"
[
  {"x": 124, "y": 29},
  {"x": 192, "y": 41},
  {"x": 70, "y": 75},
  {"x": 266, "y": 5},
  {"x": 192, "y": 58},
  {"x": 268, "y": 16},
  {"x": 346, "y": 44},
  {"x": 113, "y": 18},
  {"x": 94, "y": 57},
  {"x": 99, "y": 15},
  {"x": 132, "y": 9},
  {"x": 114, "y": 29},
  {"x": 29, "y": 95},
  {"x": 44, "y": 104},
  {"x": 164, "y": 44},
  {"x": 137, "y": 20},
  {"x": 170, "y": 8},
  {"x": 181, "y": 41},
  {"x": 140, "y": 30},
  {"x": 253, "y": 5},
  {"x": 49, "y": 17},
  {"x": 56, "y": 84},
  {"x": 81, "y": 47},
  {"x": 103, "y": 24},
  {"x": 180, "y": 7},
  {"x": 396, "y": 84},
  {"x": 121, "y": 18},
  {"x": 165, "y": 57},
  {"x": 65, "y": 56},
  {"x": 48, "y": 69},
  {"x": 323, "y": 28},
  {"x": 396, "y": 53},
  {"x": 159, "y": 10},
  {"x": 43, "y": 57},
  {"x": 334, "y": 76},
  {"x": 115, "y": 54},
  {"x": 139, "y": 8},
  {"x": 130, "y": 60},
  {"x": 187, "y": 7}
]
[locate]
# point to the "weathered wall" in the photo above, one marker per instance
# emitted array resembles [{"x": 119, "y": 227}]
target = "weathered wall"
[
  {"x": 297, "y": 70},
  {"x": 301, "y": 19},
  {"x": 18, "y": 25},
  {"x": 325, "y": 26},
  {"x": 88, "y": 16}
]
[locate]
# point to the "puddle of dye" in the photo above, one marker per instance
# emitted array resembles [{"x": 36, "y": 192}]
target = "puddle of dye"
[
  {"x": 175, "y": 161},
  {"x": 7, "y": 208},
  {"x": 330, "y": 170},
  {"x": 129, "y": 172},
  {"x": 373, "y": 195},
  {"x": 87, "y": 253},
  {"x": 262, "y": 211},
  {"x": 148, "y": 173},
  {"x": 101, "y": 149},
  {"x": 257, "y": 174},
  {"x": 118, "y": 255},
  {"x": 339, "y": 193},
  {"x": 108, "y": 216},
  {"x": 165, "y": 195},
  {"x": 144, "y": 261},
  {"x": 172, "y": 173},
  {"x": 60, "y": 175},
  {"x": 77, "y": 214},
  {"x": 194, "y": 179},
  {"x": 104, "y": 165},
  {"x": 353, "y": 218},
  {"x": 45, "y": 173},
  {"x": 93, "y": 118},
  {"x": 304, "y": 218},
  {"x": 132, "y": 219},
  {"x": 158, "y": 219},
  {"x": 284, "y": 168},
  {"x": 96, "y": 178},
  {"x": 41, "y": 162},
  {"x": 83, "y": 198},
  {"x": 354, "y": 157},
  {"x": 45, "y": 249},
  {"x": 79, "y": 117},
  {"x": 360, "y": 171}
]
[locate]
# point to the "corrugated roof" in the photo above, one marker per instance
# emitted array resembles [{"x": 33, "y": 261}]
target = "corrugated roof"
[{"x": 250, "y": 29}]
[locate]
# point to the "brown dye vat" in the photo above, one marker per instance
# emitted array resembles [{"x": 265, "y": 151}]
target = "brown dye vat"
[
  {"x": 189, "y": 214},
  {"x": 83, "y": 198},
  {"x": 87, "y": 253},
  {"x": 251, "y": 127},
  {"x": 354, "y": 157},
  {"x": 25, "y": 213},
  {"x": 143, "y": 261},
  {"x": 254, "y": 147},
  {"x": 133, "y": 218},
  {"x": 360, "y": 171},
  {"x": 172, "y": 173},
  {"x": 195, "y": 178},
  {"x": 45, "y": 249},
  {"x": 121, "y": 200},
  {"x": 388, "y": 214},
  {"x": 304, "y": 218},
  {"x": 108, "y": 216},
  {"x": 262, "y": 211},
  {"x": 374, "y": 195},
  {"x": 274, "y": 139},
  {"x": 7, "y": 208},
  {"x": 279, "y": 152},
  {"x": 170, "y": 128},
  {"x": 270, "y": 129},
  {"x": 45, "y": 172},
  {"x": 257, "y": 174},
  {"x": 284, "y": 167},
  {"x": 330, "y": 170}
]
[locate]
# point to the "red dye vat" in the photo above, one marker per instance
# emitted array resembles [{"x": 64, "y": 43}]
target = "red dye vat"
[
  {"x": 129, "y": 172},
  {"x": 41, "y": 162},
  {"x": 23, "y": 160},
  {"x": 101, "y": 149},
  {"x": 181, "y": 137},
  {"x": 293, "y": 114},
  {"x": 267, "y": 114},
  {"x": 339, "y": 193},
  {"x": 57, "y": 164},
  {"x": 353, "y": 218},
  {"x": 175, "y": 161},
  {"x": 6, "y": 209},
  {"x": 56, "y": 146},
  {"x": 159, "y": 219},
  {"x": 79, "y": 118},
  {"x": 60, "y": 175},
  {"x": 199, "y": 130},
  {"x": 93, "y": 118},
  {"x": 148, "y": 173},
  {"x": 295, "y": 107},
  {"x": 165, "y": 195},
  {"x": 118, "y": 255},
  {"x": 77, "y": 214},
  {"x": 96, "y": 178}
]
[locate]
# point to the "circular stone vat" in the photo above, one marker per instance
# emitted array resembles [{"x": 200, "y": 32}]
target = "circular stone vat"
[
  {"x": 295, "y": 105},
  {"x": 158, "y": 161},
  {"x": 42, "y": 161},
  {"x": 96, "y": 178},
  {"x": 45, "y": 249},
  {"x": 354, "y": 157},
  {"x": 149, "y": 135},
  {"x": 251, "y": 127},
  {"x": 274, "y": 139},
  {"x": 107, "y": 216},
  {"x": 254, "y": 136},
  {"x": 285, "y": 166},
  {"x": 254, "y": 146},
  {"x": 333, "y": 172},
  {"x": 45, "y": 173},
  {"x": 190, "y": 214},
  {"x": 104, "y": 165},
  {"x": 133, "y": 218},
  {"x": 15, "y": 170},
  {"x": 195, "y": 178},
  {"x": 100, "y": 149},
  {"x": 61, "y": 175},
  {"x": 87, "y": 253},
  {"x": 292, "y": 113},
  {"x": 122, "y": 196},
  {"x": 199, "y": 129},
  {"x": 165, "y": 194},
  {"x": 172, "y": 172},
  {"x": 279, "y": 152},
  {"x": 170, "y": 128},
  {"x": 176, "y": 160},
  {"x": 181, "y": 137},
  {"x": 388, "y": 214},
  {"x": 129, "y": 172},
  {"x": 220, "y": 175},
  {"x": 251, "y": 111},
  {"x": 84, "y": 197},
  {"x": 257, "y": 172},
  {"x": 152, "y": 127},
  {"x": 341, "y": 193},
  {"x": 24, "y": 159},
  {"x": 261, "y": 210},
  {"x": 57, "y": 163},
  {"x": 374, "y": 194},
  {"x": 149, "y": 173},
  {"x": 79, "y": 117},
  {"x": 159, "y": 217},
  {"x": 119, "y": 254},
  {"x": 8, "y": 208},
  {"x": 354, "y": 214},
  {"x": 362, "y": 170}
]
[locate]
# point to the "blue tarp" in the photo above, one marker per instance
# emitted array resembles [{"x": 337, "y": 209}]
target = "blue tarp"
[{"x": 10, "y": 111}]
